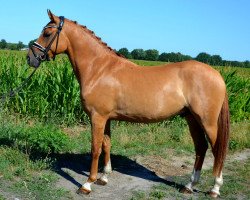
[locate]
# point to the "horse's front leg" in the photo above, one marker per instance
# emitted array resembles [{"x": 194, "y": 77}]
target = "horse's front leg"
[
  {"x": 106, "y": 146},
  {"x": 97, "y": 128}
]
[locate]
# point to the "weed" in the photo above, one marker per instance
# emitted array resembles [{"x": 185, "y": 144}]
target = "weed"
[
  {"x": 157, "y": 194},
  {"x": 1, "y": 197},
  {"x": 138, "y": 195}
]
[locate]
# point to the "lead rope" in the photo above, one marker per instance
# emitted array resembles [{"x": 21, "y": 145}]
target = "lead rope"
[{"x": 13, "y": 92}]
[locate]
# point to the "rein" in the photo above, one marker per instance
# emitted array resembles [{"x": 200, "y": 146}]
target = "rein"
[{"x": 13, "y": 92}]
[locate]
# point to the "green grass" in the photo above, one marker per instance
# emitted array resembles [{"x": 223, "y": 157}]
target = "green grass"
[
  {"x": 148, "y": 63},
  {"x": 239, "y": 136},
  {"x": 236, "y": 185},
  {"x": 33, "y": 124},
  {"x": 33, "y": 139},
  {"x": 150, "y": 139},
  {"x": 25, "y": 178}
]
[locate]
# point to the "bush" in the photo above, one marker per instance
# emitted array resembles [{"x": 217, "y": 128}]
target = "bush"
[{"x": 40, "y": 139}]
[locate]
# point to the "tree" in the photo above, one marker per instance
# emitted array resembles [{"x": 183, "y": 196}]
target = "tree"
[
  {"x": 31, "y": 42},
  {"x": 151, "y": 54},
  {"x": 236, "y": 64},
  {"x": 164, "y": 57},
  {"x": 20, "y": 45},
  {"x": 138, "y": 54},
  {"x": 124, "y": 52},
  {"x": 203, "y": 57},
  {"x": 174, "y": 57},
  {"x": 247, "y": 64},
  {"x": 3, "y": 44},
  {"x": 216, "y": 60},
  {"x": 12, "y": 46},
  {"x": 186, "y": 57}
]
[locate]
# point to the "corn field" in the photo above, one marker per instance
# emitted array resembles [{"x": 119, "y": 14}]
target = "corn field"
[{"x": 53, "y": 91}]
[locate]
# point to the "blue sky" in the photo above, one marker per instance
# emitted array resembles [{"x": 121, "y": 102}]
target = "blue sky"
[{"x": 187, "y": 26}]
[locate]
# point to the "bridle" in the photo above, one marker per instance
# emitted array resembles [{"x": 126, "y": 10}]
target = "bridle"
[
  {"x": 39, "y": 58},
  {"x": 45, "y": 50}
]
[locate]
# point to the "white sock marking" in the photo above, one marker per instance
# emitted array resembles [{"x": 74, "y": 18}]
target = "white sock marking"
[
  {"x": 107, "y": 169},
  {"x": 87, "y": 186},
  {"x": 104, "y": 178},
  {"x": 194, "y": 179},
  {"x": 218, "y": 182}
]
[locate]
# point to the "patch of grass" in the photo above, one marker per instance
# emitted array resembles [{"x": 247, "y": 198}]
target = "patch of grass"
[
  {"x": 149, "y": 139},
  {"x": 148, "y": 63},
  {"x": 34, "y": 139},
  {"x": 24, "y": 159},
  {"x": 40, "y": 187},
  {"x": 239, "y": 136},
  {"x": 157, "y": 194},
  {"x": 1, "y": 197},
  {"x": 236, "y": 180},
  {"x": 236, "y": 185},
  {"x": 138, "y": 195},
  {"x": 26, "y": 178},
  {"x": 14, "y": 163}
]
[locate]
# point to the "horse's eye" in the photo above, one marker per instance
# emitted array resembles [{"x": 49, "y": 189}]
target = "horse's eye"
[{"x": 46, "y": 34}]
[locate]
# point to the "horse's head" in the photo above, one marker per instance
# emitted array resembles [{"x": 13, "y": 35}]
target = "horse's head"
[{"x": 51, "y": 42}]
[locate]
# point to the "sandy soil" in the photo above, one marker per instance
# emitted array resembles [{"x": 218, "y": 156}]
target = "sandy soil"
[{"x": 129, "y": 175}]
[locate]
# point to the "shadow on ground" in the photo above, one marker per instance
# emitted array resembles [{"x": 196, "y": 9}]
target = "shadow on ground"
[{"x": 80, "y": 164}]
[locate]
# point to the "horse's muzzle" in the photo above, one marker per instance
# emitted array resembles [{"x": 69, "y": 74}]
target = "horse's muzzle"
[{"x": 32, "y": 60}]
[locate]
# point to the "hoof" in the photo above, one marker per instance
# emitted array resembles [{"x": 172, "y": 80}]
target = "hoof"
[
  {"x": 82, "y": 190},
  {"x": 101, "y": 182},
  {"x": 186, "y": 190},
  {"x": 213, "y": 194}
]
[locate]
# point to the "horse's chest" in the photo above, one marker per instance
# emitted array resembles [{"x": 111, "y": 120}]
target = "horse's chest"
[{"x": 99, "y": 102}]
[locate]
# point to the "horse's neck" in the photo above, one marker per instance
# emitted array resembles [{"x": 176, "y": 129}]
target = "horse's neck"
[{"x": 87, "y": 55}]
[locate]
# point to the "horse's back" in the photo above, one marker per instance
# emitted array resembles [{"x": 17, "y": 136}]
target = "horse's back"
[{"x": 156, "y": 93}]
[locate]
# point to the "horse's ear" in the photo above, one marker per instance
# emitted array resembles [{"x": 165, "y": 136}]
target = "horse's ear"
[{"x": 51, "y": 15}]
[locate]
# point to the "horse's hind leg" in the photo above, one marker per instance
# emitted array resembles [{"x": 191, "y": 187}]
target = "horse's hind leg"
[
  {"x": 106, "y": 146},
  {"x": 211, "y": 131},
  {"x": 201, "y": 146}
]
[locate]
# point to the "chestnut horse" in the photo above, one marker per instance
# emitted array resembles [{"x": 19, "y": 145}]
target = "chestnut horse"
[{"x": 114, "y": 88}]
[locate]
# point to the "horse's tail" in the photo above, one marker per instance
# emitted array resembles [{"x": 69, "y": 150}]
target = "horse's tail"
[{"x": 221, "y": 144}]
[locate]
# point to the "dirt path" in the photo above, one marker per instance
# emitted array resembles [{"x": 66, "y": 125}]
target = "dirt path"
[{"x": 128, "y": 175}]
